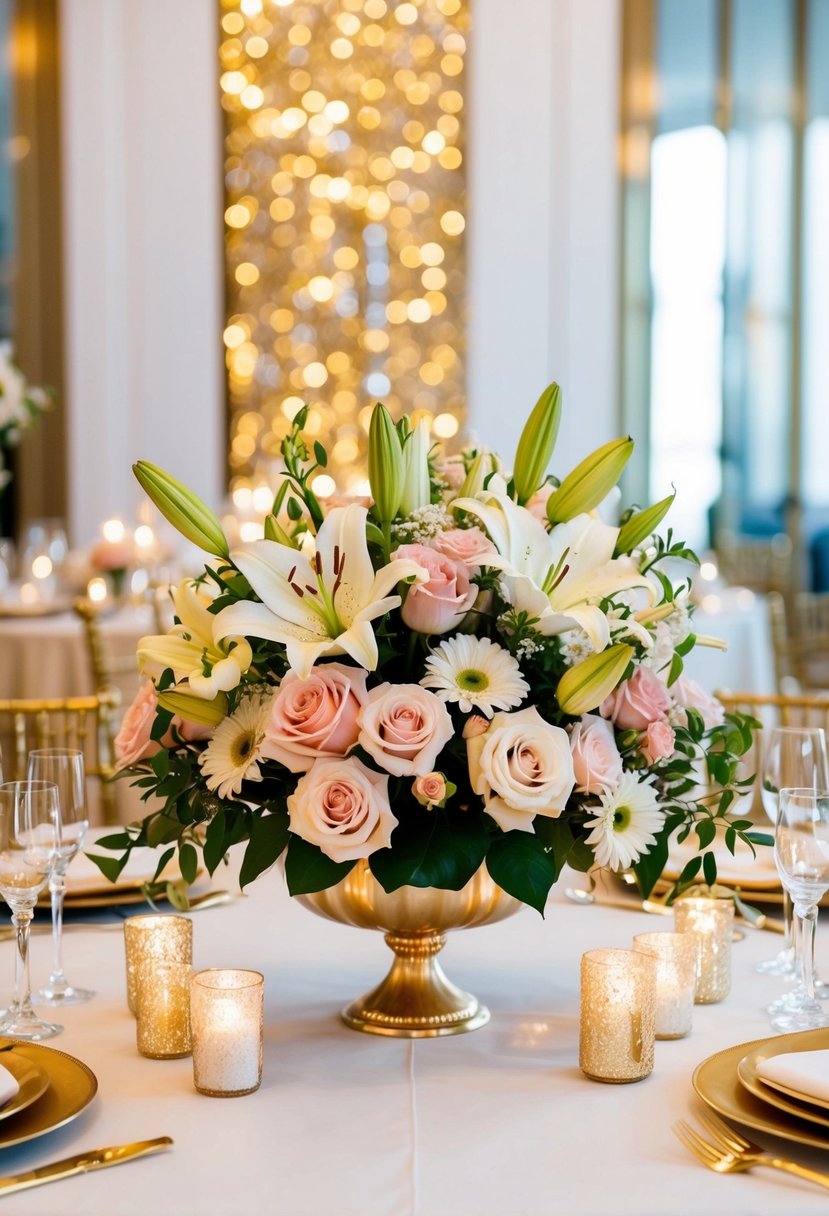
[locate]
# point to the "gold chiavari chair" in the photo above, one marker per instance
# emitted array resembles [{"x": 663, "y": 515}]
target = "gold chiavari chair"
[
  {"x": 779, "y": 709},
  {"x": 800, "y": 640},
  {"x": 108, "y": 671},
  {"x": 82, "y": 723},
  {"x": 762, "y": 563}
]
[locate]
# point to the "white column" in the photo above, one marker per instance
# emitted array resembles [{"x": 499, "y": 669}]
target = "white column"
[
  {"x": 142, "y": 239},
  {"x": 543, "y": 231}
]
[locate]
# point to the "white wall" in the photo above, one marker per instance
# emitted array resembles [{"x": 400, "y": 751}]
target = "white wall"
[
  {"x": 142, "y": 228},
  {"x": 142, "y": 234},
  {"x": 543, "y": 114}
]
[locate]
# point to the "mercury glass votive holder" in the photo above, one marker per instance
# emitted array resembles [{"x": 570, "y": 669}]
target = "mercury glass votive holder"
[
  {"x": 676, "y": 979},
  {"x": 226, "y": 1009},
  {"x": 712, "y": 922},
  {"x": 163, "y": 1003},
  {"x": 154, "y": 937},
  {"x": 618, "y": 1015}
]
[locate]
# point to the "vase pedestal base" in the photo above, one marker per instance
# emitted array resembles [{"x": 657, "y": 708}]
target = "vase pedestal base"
[{"x": 416, "y": 1000}]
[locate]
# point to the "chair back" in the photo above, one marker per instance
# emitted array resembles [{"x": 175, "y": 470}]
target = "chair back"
[
  {"x": 800, "y": 639},
  {"x": 779, "y": 709},
  {"x": 762, "y": 563}
]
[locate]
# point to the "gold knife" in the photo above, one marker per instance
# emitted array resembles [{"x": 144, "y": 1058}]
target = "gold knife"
[{"x": 96, "y": 1159}]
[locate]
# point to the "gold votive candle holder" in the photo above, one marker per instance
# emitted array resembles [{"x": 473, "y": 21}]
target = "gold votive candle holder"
[
  {"x": 154, "y": 937},
  {"x": 712, "y": 922},
  {"x": 618, "y": 1015},
  {"x": 676, "y": 979},
  {"x": 226, "y": 1008},
  {"x": 163, "y": 1016}
]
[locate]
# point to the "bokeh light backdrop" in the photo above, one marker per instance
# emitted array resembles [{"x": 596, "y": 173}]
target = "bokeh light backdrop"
[{"x": 345, "y": 217}]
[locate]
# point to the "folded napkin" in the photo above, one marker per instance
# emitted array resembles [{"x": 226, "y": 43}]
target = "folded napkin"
[
  {"x": 8, "y": 1086},
  {"x": 803, "y": 1072}
]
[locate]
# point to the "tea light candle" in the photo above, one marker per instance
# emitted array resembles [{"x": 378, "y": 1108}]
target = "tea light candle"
[
  {"x": 618, "y": 1015},
  {"x": 676, "y": 977},
  {"x": 163, "y": 1024},
  {"x": 712, "y": 921},
  {"x": 226, "y": 1021},
  {"x": 168, "y": 938}
]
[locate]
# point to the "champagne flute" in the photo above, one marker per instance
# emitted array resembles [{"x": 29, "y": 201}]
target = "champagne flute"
[
  {"x": 801, "y": 853},
  {"x": 794, "y": 758},
  {"x": 64, "y": 768},
  {"x": 29, "y": 836}
]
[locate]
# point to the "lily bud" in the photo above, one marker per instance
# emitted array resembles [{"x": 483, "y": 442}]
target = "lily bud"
[
  {"x": 589, "y": 482},
  {"x": 642, "y": 525},
  {"x": 194, "y": 709},
  {"x": 535, "y": 447},
  {"x": 385, "y": 464},
  {"x": 182, "y": 508},
  {"x": 416, "y": 486},
  {"x": 586, "y": 685},
  {"x": 275, "y": 531},
  {"x": 480, "y": 468}
]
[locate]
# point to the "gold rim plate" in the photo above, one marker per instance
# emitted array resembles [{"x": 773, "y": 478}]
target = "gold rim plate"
[
  {"x": 71, "y": 1087},
  {"x": 716, "y": 1082},
  {"x": 812, "y": 1040},
  {"x": 32, "y": 1081}
]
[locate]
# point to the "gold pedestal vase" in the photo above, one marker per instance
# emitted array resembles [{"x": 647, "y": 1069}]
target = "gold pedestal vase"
[{"x": 415, "y": 1000}]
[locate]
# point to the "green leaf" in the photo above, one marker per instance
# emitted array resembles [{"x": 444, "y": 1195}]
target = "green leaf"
[
  {"x": 294, "y": 509},
  {"x": 162, "y": 861},
  {"x": 214, "y": 844},
  {"x": 308, "y": 869},
  {"x": 519, "y": 863},
  {"x": 676, "y": 669},
  {"x": 188, "y": 860},
  {"x": 118, "y": 840},
  {"x": 161, "y": 763},
  {"x": 269, "y": 835},
  {"x": 706, "y": 830},
  {"x": 161, "y": 830},
  {"x": 110, "y": 867},
  {"x": 690, "y": 871},
  {"x": 444, "y": 851},
  {"x": 320, "y": 454},
  {"x": 709, "y": 868}
]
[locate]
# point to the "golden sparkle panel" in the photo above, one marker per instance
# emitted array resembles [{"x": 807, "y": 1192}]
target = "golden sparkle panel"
[{"x": 344, "y": 220}]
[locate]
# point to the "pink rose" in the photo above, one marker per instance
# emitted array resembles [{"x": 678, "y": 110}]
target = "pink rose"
[
  {"x": 133, "y": 742},
  {"x": 430, "y": 790},
  {"x": 452, "y": 471},
  {"x": 315, "y": 718},
  {"x": 658, "y": 742},
  {"x": 343, "y": 807},
  {"x": 190, "y": 732},
  {"x": 596, "y": 760},
  {"x": 537, "y": 505},
  {"x": 441, "y": 603},
  {"x": 403, "y": 727},
  {"x": 464, "y": 545},
  {"x": 638, "y": 701},
  {"x": 474, "y": 726},
  {"x": 690, "y": 695}
]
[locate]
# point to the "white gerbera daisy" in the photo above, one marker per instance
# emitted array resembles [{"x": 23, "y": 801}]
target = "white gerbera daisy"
[
  {"x": 232, "y": 755},
  {"x": 626, "y": 824},
  {"x": 477, "y": 673}
]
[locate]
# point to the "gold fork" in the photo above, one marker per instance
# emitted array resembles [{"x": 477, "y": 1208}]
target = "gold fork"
[{"x": 729, "y": 1153}]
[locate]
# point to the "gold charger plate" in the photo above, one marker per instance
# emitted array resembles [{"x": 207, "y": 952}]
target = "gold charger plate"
[
  {"x": 715, "y": 1081},
  {"x": 809, "y": 1040},
  {"x": 32, "y": 1081},
  {"x": 71, "y": 1088}
]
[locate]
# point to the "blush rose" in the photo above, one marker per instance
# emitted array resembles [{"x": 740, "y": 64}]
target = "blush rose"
[
  {"x": 658, "y": 742},
  {"x": 342, "y": 806},
  {"x": 315, "y": 718},
  {"x": 404, "y": 727},
  {"x": 441, "y": 603},
  {"x": 638, "y": 701},
  {"x": 690, "y": 695},
  {"x": 596, "y": 761}
]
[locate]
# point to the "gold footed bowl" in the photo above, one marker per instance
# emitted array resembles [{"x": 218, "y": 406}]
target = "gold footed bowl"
[{"x": 415, "y": 1000}]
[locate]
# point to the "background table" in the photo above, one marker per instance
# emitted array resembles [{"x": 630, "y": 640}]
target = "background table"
[
  {"x": 740, "y": 618},
  {"x": 496, "y": 1123}
]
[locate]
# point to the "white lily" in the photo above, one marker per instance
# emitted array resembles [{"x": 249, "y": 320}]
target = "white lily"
[
  {"x": 322, "y": 606},
  {"x": 191, "y": 649},
  {"x": 558, "y": 577}
]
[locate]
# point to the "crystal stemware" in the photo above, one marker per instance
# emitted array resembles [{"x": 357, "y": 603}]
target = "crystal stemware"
[
  {"x": 64, "y": 768},
  {"x": 801, "y": 853},
  {"x": 794, "y": 758},
  {"x": 29, "y": 833}
]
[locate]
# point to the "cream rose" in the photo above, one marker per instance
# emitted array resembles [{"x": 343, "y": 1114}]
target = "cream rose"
[
  {"x": 343, "y": 807},
  {"x": 315, "y": 718},
  {"x": 403, "y": 727},
  {"x": 522, "y": 767},
  {"x": 596, "y": 760}
]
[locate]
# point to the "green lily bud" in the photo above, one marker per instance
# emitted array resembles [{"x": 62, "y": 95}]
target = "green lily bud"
[
  {"x": 416, "y": 486},
  {"x": 275, "y": 531},
  {"x": 473, "y": 483},
  {"x": 642, "y": 525},
  {"x": 587, "y": 684},
  {"x": 535, "y": 447},
  {"x": 385, "y": 464},
  {"x": 182, "y": 508},
  {"x": 194, "y": 709},
  {"x": 589, "y": 482}
]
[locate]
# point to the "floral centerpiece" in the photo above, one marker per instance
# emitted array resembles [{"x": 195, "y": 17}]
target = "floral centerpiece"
[
  {"x": 21, "y": 405},
  {"x": 472, "y": 669}
]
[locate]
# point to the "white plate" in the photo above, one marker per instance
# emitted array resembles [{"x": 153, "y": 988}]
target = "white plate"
[{"x": 84, "y": 878}]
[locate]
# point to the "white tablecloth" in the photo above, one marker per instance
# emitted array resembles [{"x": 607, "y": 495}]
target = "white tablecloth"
[
  {"x": 740, "y": 618},
  {"x": 496, "y": 1123}
]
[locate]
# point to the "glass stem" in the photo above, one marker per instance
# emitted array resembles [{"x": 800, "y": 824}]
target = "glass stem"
[
  {"x": 21, "y": 919},
  {"x": 57, "y": 888},
  {"x": 807, "y": 916},
  {"x": 790, "y": 925}
]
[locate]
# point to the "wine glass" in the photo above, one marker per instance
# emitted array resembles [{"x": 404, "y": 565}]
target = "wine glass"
[
  {"x": 64, "y": 768},
  {"x": 795, "y": 758},
  {"x": 801, "y": 853},
  {"x": 29, "y": 836}
]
